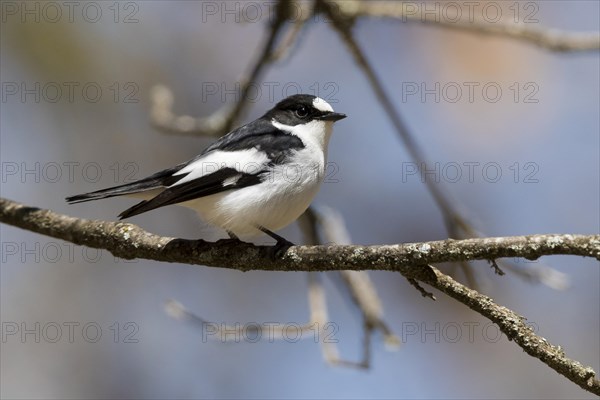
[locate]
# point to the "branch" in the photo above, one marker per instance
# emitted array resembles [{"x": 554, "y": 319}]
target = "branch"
[
  {"x": 320, "y": 317},
  {"x": 515, "y": 329},
  {"x": 129, "y": 241},
  {"x": 278, "y": 331},
  {"x": 550, "y": 39},
  {"x": 220, "y": 122}
]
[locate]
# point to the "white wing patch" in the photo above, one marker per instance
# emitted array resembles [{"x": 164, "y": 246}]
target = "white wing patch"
[
  {"x": 247, "y": 161},
  {"x": 231, "y": 181},
  {"x": 322, "y": 105}
]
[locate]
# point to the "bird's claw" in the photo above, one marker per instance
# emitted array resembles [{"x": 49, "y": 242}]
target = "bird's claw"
[{"x": 279, "y": 249}]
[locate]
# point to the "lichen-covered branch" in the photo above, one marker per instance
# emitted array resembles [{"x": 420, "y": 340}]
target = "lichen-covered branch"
[
  {"x": 129, "y": 241},
  {"x": 411, "y": 260},
  {"x": 515, "y": 328}
]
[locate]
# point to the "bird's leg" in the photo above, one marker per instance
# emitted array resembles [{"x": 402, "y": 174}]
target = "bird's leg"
[
  {"x": 282, "y": 244},
  {"x": 232, "y": 235}
]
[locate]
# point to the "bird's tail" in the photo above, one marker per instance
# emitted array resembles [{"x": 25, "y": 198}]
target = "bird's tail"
[
  {"x": 158, "y": 180},
  {"x": 130, "y": 188}
]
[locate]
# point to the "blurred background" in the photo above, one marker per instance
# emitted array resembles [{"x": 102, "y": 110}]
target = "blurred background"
[{"x": 78, "y": 323}]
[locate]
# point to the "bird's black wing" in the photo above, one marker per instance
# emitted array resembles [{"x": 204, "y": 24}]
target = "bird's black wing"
[{"x": 218, "y": 181}]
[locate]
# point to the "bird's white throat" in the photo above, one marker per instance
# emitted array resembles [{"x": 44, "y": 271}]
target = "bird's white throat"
[{"x": 314, "y": 133}]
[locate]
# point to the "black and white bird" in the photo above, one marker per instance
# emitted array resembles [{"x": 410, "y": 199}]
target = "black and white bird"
[{"x": 259, "y": 177}]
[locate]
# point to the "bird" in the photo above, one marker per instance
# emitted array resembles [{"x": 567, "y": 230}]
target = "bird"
[{"x": 257, "y": 178}]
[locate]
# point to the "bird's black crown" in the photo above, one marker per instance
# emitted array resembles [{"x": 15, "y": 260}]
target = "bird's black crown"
[{"x": 300, "y": 109}]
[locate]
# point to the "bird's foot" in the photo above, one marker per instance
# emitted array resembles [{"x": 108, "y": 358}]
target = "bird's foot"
[{"x": 279, "y": 249}]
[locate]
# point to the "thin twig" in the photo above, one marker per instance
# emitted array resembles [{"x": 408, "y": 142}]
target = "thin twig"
[
  {"x": 320, "y": 317},
  {"x": 291, "y": 38},
  {"x": 359, "y": 283},
  {"x": 420, "y": 289},
  {"x": 220, "y": 331},
  {"x": 220, "y": 122},
  {"x": 497, "y": 269},
  {"x": 414, "y": 12}
]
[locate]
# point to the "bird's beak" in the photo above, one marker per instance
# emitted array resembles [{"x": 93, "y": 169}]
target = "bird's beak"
[{"x": 332, "y": 116}]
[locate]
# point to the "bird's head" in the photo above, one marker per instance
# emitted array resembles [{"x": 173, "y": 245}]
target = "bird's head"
[{"x": 306, "y": 116}]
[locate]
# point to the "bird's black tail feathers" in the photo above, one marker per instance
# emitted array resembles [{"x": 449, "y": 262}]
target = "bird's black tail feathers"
[
  {"x": 160, "y": 179},
  {"x": 120, "y": 190}
]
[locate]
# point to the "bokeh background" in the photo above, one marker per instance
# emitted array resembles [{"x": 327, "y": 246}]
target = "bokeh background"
[{"x": 53, "y": 146}]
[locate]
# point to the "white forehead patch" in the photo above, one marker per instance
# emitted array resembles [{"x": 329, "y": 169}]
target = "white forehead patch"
[{"x": 322, "y": 105}]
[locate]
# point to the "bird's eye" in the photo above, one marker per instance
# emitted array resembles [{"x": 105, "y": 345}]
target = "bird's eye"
[{"x": 302, "y": 112}]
